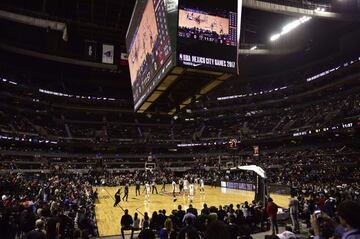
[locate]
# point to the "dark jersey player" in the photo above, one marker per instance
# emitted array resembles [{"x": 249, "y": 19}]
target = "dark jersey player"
[
  {"x": 117, "y": 197},
  {"x": 126, "y": 192},
  {"x": 137, "y": 187}
]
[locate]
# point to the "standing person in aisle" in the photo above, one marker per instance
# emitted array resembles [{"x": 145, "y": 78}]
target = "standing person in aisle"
[
  {"x": 294, "y": 213},
  {"x": 271, "y": 211}
]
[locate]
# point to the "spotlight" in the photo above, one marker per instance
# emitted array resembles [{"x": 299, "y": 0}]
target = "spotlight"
[{"x": 275, "y": 37}]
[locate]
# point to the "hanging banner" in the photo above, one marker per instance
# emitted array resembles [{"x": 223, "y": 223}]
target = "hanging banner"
[
  {"x": 90, "y": 48},
  {"x": 108, "y": 54}
]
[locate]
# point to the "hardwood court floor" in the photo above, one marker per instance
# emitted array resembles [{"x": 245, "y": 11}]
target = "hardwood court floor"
[{"x": 108, "y": 217}]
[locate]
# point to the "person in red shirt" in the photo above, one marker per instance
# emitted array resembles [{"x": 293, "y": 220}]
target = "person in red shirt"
[
  {"x": 271, "y": 211},
  {"x": 321, "y": 203}
]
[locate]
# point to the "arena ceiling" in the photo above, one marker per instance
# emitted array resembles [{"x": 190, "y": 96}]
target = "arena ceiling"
[{"x": 107, "y": 21}]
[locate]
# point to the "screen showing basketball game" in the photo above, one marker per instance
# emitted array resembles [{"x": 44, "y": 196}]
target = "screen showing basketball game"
[
  {"x": 207, "y": 34},
  {"x": 148, "y": 46}
]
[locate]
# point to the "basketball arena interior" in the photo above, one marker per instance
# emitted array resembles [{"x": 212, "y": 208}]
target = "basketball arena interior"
[{"x": 176, "y": 119}]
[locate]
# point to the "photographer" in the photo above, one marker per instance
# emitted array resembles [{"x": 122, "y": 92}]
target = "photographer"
[{"x": 349, "y": 216}]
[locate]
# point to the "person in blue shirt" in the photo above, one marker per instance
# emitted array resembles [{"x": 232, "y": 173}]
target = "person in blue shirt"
[{"x": 349, "y": 216}]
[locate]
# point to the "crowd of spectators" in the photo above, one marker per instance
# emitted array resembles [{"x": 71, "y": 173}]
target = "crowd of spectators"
[
  {"x": 228, "y": 221},
  {"x": 292, "y": 167},
  {"x": 59, "y": 204},
  {"x": 336, "y": 220},
  {"x": 252, "y": 121},
  {"x": 39, "y": 200},
  {"x": 282, "y": 120}
]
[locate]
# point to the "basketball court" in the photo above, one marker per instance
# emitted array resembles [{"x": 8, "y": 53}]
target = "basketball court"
[
  {"x": 189, "y": 19},
  {"x": 108, "y": 217},
  {"x": 144, "y": 40}
]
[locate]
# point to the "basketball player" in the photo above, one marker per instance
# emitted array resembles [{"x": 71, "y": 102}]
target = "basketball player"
[
  {"x": 147, "y": 190},
  {"x": 202, "y": 186},
  {"x": 103, "y": 181},
  {"x": 126, "y": 192},
  {"x": 137, "y": 187},
  {"x": 198, "y": 19},
  {"x": 117, "y": 197},
  {"x": 144, "y": 42},
  {"x": 190, "y": 17},
  {"x": 221, "y": 30},
  {"x": 186, "y": 187},
  {"x": 214, "y": 181},
  {"x": 163, "y": 185},
  {"x": 151, "y": 38},
  {"x": 191, "y": 192},
  {"x": 181, "y": 185},
  {"x": 174, "y": 190},
  {"x": 153, "y": 186}
]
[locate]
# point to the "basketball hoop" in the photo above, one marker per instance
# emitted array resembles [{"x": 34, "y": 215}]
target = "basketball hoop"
[
  {"x": 149, "y": 167},
  {"x": 229, "y": 165}
]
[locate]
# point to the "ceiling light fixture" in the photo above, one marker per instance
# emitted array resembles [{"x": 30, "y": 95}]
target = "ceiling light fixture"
[{"x": 289, "y": 27}]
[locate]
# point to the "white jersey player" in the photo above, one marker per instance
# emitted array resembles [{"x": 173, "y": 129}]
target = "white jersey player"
[
  {"x": 173, "y": 184},
  {"x": 202, "y": 185},
  {"x": 196, "y": 181},
  {"x": 191, "y": 192},
  {"x": 186, "y": 186},
  {"x": 147, "y": 191}
]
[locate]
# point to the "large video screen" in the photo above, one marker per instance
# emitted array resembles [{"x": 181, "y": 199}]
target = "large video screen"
[
  {"x": 207, "y": 34},
  {"x": 148, "y": 46}
]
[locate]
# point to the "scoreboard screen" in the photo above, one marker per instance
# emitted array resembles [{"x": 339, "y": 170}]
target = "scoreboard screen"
[
  {"x": 167, "y": 39},
  {"x": 207, "y": 35},
  {"x": 148, "y": 45}
]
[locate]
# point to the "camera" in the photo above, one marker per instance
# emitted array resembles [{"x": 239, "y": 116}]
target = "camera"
[{"x": 317, "y": 214}]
